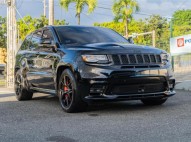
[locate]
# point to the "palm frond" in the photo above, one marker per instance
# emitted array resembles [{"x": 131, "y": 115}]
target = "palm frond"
[{"x": 65, "y": 3}]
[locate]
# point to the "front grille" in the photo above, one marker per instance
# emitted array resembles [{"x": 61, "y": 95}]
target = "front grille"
[
  {"x": 140, "y": 59},
  {"x": 116, "y": 59},
  {"x": 124, "y": 59},
  {"x": 132, "y": 59},
  {"x": 138, "y": 89},
  {"x": 153, "y": 60}
]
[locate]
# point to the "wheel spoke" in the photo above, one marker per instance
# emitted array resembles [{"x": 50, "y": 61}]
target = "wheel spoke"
[
  {"x": 65, "y": 80},
  {"x": 66, "y": 92},
  {"x": 67, "y": 103},
  {"x": 69, "y": 97}
]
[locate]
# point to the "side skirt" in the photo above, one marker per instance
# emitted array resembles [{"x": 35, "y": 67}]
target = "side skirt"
[{"x": 42, "y": 90}]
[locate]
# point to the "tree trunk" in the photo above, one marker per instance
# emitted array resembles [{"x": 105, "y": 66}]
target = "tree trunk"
[
  {"x": 78, "y": 18},
  {"x": 126, "y": 28}
]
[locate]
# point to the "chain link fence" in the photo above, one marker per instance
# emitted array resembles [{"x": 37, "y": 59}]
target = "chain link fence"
[
  {"x": 2, "y": 75},
  {"x": 182, "y": 67}
]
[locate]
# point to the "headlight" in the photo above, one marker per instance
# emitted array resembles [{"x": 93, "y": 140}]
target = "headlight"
[
  {"x": 165, "y": 57},
  {"x": 102, "y": 59}
]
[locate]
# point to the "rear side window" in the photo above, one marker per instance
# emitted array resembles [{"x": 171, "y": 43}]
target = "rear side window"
[
  {"x": 47, "y": 34},
  {"x": 36, "y": 39},
  {"x": 26, "y": 43}
]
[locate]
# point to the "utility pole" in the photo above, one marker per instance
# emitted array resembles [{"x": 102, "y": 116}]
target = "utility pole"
[
  {"x": 154, "y": 38},
  {"x": 11, "y": 41},
  {"x": 171, "y": 36},
  {"x": 44, "y": 2},
  {"x": 51, "y": 12}
]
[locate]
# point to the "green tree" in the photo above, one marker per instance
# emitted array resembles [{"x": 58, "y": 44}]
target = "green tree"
[
  {"x": 155, "y": 22},
  {"x": 123, "y": 10},
  {"x": 3, "y": 31},
  {"x": 41, "y": 22},
  {"x": 181, "y": 30},
  {"x": 116, "y": 26},
  {"x": 181, "y": 22},
  {"x": 29, "y": 24},
  {"x": 161, "y": 27},
  {"x": 182, "y": 17},
  {"x": 79, "y": 5},
  {"x": 26, "y": 26}
]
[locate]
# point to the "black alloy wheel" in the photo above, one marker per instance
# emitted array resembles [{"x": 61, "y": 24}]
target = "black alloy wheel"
[
  {"x": 21, "y": 89},
  {"x": 69, "y": 93}
]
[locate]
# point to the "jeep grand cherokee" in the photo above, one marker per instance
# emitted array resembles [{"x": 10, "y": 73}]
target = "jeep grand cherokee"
[{"x": 88, "y": 64}]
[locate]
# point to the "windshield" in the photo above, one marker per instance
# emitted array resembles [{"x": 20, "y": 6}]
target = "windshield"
[{"x": 88, "y": 35}]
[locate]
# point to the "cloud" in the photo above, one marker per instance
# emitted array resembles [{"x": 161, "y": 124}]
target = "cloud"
[{"x": 162, "y": 7}]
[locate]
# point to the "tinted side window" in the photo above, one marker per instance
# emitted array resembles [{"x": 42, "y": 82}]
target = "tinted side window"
[
  {"x": 47, "y": 34},
  {"x": 26, "y": 43},
  {"x": 36, "y": 39}
]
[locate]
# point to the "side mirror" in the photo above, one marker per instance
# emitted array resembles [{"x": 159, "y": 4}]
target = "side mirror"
[
  {"x": 130, "y": 40},
  {"x": 49, "y": 45},
  {"x": 54, "y": 47}
]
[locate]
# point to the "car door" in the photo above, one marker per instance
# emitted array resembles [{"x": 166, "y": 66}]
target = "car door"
[
  {"x": 48, "y": 58},
  {"x": 33, "y": 59}
]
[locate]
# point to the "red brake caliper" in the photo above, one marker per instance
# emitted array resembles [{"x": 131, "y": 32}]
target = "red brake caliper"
[{"x": 65, "y": 90}]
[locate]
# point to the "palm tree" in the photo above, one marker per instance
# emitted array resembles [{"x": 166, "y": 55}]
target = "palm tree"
[
  {"x": 79, "y": 5},
  {"x": 123, "y": 10}
]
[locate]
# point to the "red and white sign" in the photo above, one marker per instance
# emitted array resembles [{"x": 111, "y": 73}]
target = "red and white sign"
[
  {"x": 180, "y": 42},
  {"x": 180, "y": 45}
]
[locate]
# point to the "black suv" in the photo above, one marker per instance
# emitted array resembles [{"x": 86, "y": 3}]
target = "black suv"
[{"x": 89, "y": 64}]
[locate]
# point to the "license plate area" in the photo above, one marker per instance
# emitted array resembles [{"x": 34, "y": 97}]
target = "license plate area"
[{"x": 137, "y": 85}]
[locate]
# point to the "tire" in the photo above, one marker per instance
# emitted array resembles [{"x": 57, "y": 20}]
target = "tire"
[
  {"x": 70, "y": 94},
  {"x": 22, "y": 91},
  {"x": 153, "y": 102}
]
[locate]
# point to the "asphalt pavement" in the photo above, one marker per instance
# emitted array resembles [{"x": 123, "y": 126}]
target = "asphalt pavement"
[{"x": 42, "y": 120}]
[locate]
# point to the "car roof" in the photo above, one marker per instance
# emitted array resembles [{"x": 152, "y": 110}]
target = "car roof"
[{"x": 73, "y": 26}]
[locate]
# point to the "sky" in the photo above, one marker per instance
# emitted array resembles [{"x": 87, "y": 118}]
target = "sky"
[{"x": 102, "y": 14}]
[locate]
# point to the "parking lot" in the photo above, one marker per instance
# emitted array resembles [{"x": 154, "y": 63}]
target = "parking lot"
[{"x": 43, "y": 120}]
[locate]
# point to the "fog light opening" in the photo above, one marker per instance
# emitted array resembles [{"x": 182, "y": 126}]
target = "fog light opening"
[
  {"x": 171, "y": 86},
  {"x": 97, "y": 89}
]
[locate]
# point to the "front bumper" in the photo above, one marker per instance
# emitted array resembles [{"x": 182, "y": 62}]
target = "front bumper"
[
  {"x": 116, "y": 84},
  {"x": 160, "y": 95}
]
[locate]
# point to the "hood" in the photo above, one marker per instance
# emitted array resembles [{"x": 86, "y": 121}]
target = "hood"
[{"x": 116, "y": 48}]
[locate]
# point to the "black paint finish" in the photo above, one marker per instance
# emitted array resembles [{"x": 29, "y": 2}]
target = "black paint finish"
[{"x": 42, "y": 62}]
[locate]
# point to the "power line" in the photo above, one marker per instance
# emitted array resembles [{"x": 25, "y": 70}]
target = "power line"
[
  {"x": 182, "y": 4},
  {"x": 20, "y": 15},
  {"x": 104, "y": 8}
]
